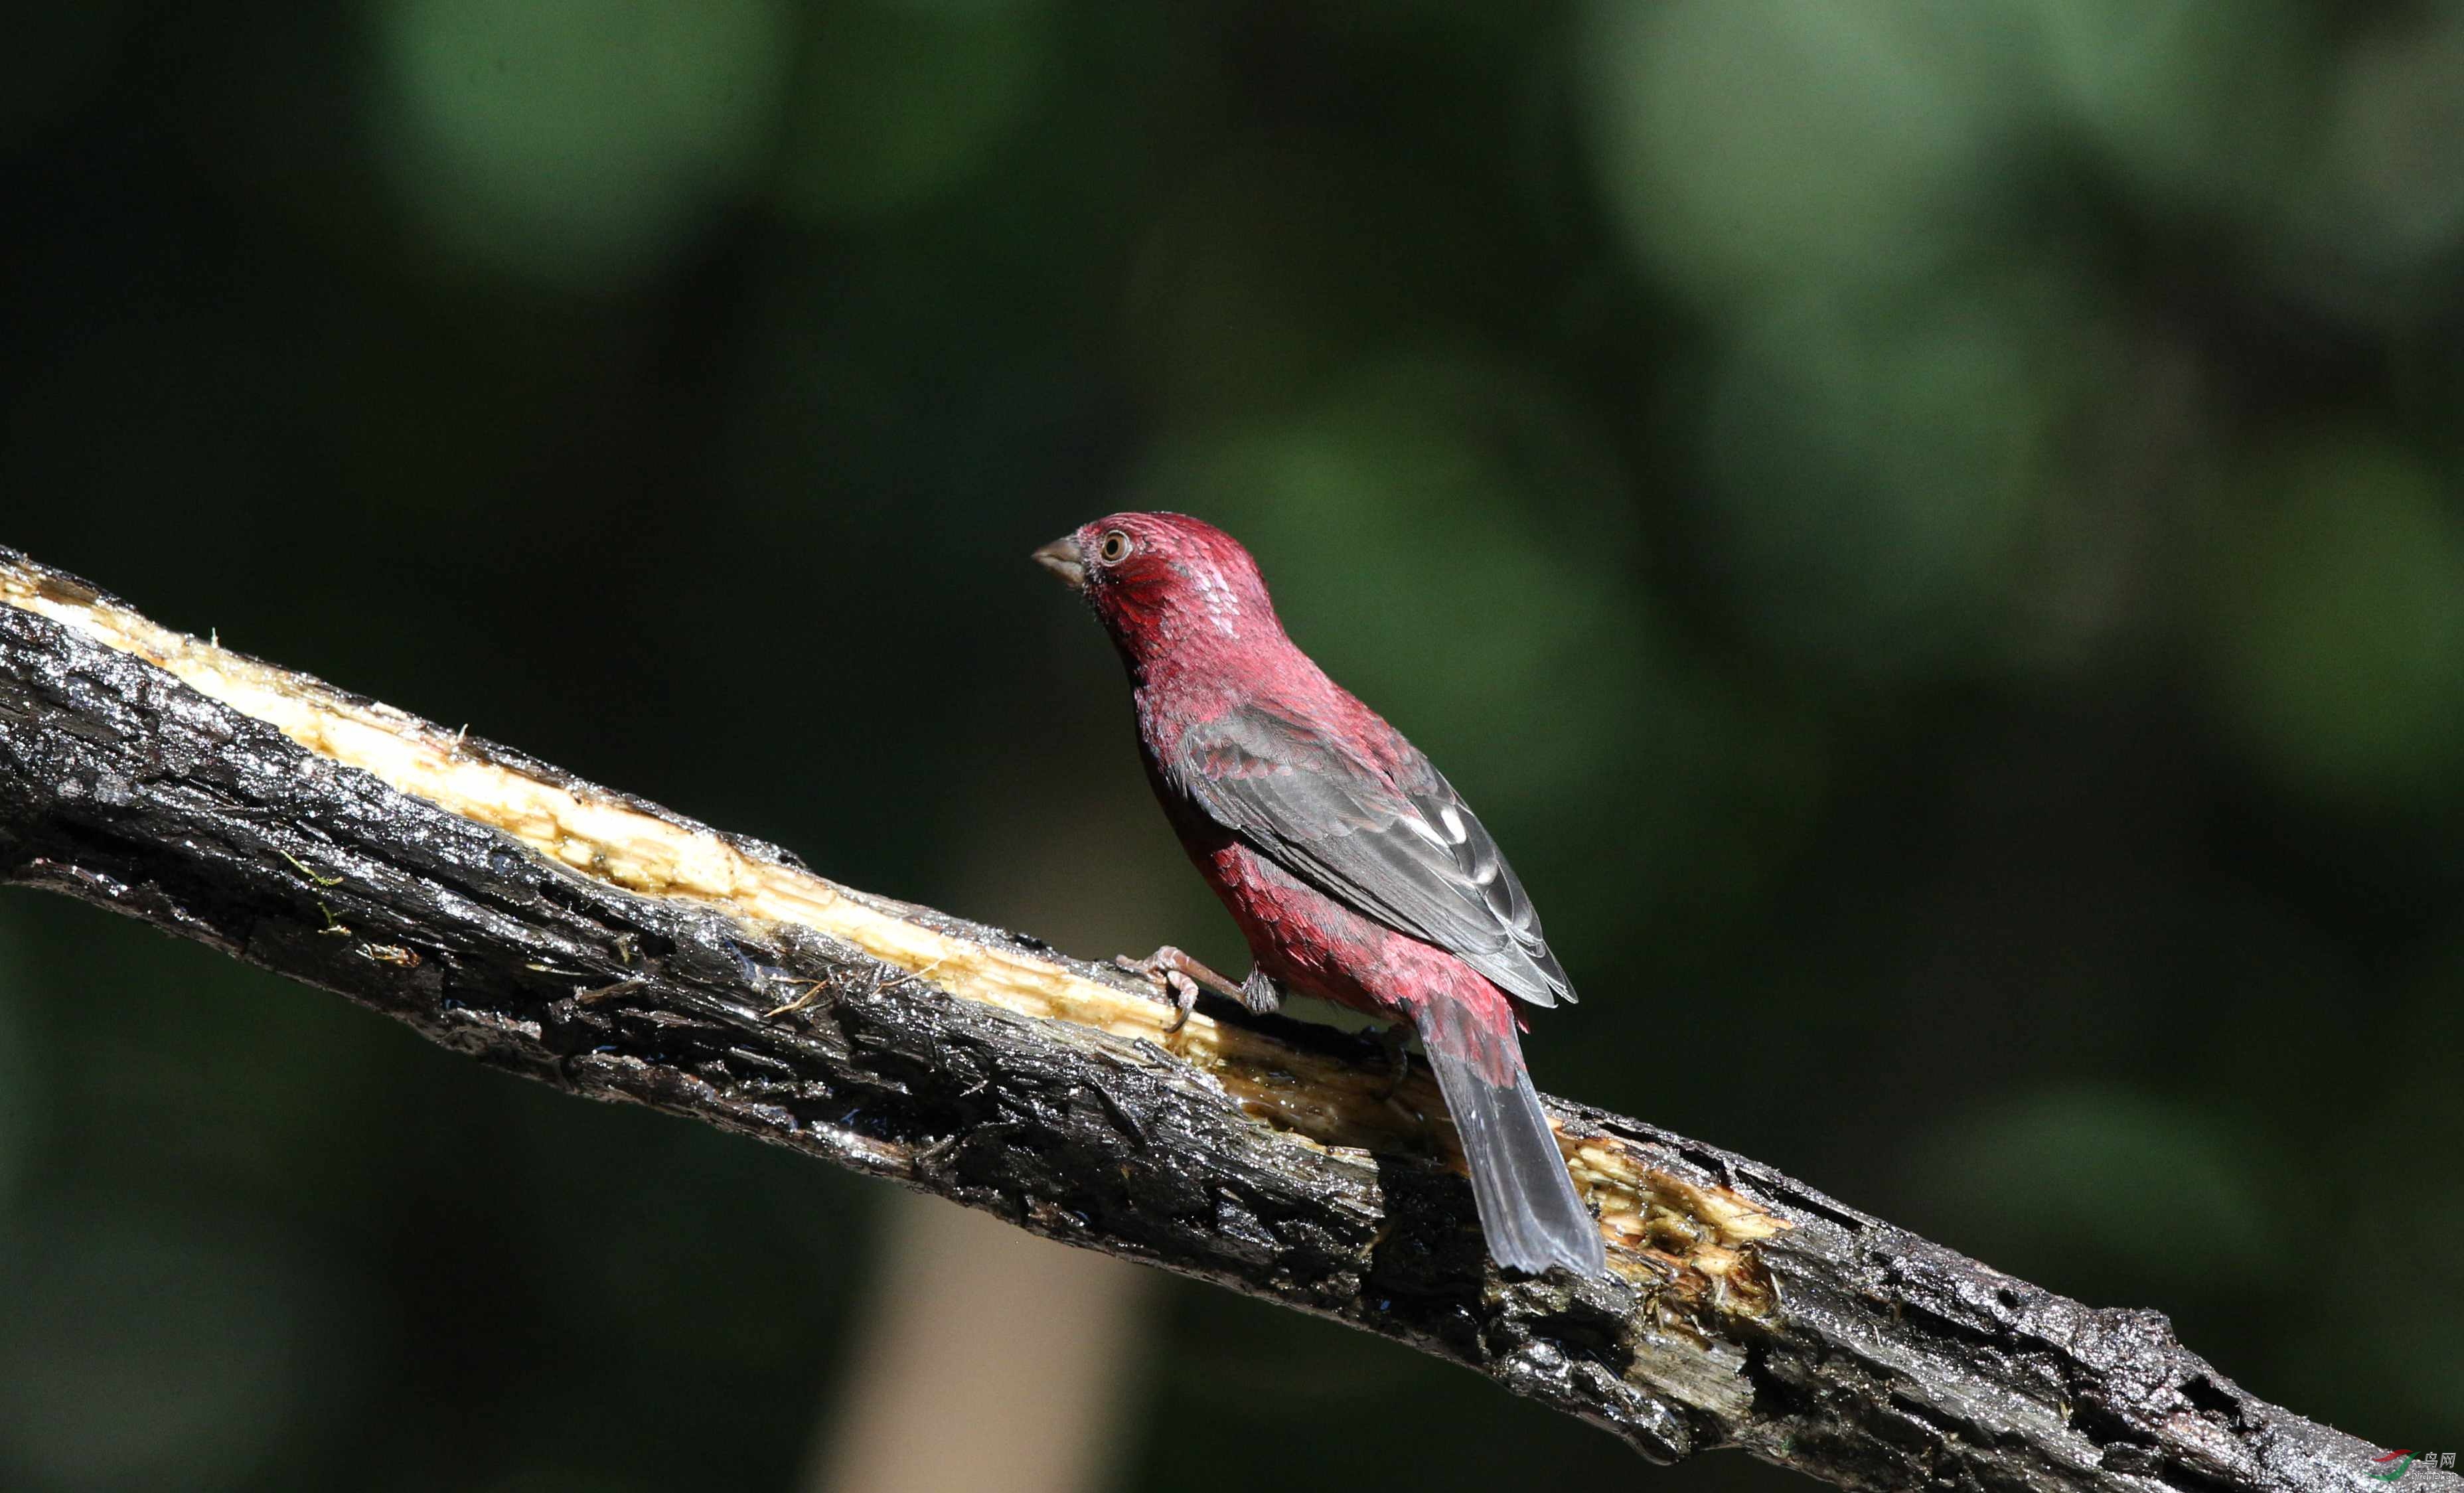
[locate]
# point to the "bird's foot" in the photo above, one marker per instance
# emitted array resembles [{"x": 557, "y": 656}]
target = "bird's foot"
[{"x": 1181, "y": 975}]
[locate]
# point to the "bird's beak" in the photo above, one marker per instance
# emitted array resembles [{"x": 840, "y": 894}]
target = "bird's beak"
[{"x": 1064, "y": 559}]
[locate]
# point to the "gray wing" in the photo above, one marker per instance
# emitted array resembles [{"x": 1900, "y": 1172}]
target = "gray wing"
[{"x": 1406, "y": 850}]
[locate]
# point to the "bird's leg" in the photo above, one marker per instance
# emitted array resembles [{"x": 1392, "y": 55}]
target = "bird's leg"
[
  {"x": 1260, "y": 993},
  {"x": 1182, "y": 976}
]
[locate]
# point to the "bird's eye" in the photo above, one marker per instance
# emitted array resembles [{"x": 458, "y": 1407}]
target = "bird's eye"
[{"x": 1114, "y": 547}]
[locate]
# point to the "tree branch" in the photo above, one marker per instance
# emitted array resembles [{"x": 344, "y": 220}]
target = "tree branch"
[{"x": 604, "y": 945}]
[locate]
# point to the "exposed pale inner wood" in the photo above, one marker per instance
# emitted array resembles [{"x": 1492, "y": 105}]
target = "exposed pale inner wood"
[{"x": 1314, "y": 1099}]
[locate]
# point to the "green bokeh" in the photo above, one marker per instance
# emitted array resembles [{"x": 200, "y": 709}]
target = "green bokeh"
[
  {"x": 1932, "y": 532},
  {"x": 574, "y": 140},
  {"x": 2099, "y": 1184},
  {"x": 2340, "y": 624},
  {"x": 900, "y": 101}
]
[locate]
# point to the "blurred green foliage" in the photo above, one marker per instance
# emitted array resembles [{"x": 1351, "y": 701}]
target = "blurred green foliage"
[{"x": 1930, "y": 530}]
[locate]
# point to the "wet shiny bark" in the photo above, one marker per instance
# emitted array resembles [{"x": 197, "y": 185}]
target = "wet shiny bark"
[{"x": 1749, "y": 1309}]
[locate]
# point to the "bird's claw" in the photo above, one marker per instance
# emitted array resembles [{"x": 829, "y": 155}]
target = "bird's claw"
[
  {"x": 1183, "y": 989},
  {"x": 1185, "y": 998},
  {"x": 1182, "y": 976}
]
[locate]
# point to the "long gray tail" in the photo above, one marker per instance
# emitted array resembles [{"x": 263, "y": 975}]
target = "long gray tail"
[{"x": 1528, "y": 1207}]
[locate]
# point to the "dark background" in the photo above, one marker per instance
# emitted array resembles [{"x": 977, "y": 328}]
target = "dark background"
[{"x": 1929, "y": 530}]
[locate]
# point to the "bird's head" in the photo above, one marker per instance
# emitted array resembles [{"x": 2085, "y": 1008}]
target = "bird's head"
[{"x": 1164, "y": 582}]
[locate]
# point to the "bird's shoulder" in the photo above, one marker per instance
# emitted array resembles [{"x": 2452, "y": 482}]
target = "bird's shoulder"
[{"x": 1326, "y": 787}]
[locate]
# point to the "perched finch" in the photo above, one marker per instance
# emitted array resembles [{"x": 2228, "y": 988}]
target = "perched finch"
[{"x": 1354, "y": 869}]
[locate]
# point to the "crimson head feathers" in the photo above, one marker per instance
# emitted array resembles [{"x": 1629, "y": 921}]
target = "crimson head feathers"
[{"x": 1164, "y": 584}]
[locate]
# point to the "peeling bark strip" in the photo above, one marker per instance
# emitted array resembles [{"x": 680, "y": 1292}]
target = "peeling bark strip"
[{"x": 602, "y": 944}]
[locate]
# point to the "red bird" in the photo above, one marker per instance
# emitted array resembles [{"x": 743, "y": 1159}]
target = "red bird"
[{"x": 1354, "y": 869}]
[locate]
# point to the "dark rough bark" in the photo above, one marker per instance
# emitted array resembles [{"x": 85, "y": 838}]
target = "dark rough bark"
[{"x": 1832, "y": 1343}]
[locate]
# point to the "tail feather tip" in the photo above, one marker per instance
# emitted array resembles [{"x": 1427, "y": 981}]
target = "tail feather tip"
[{"x": 1529, "y": 1210}]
